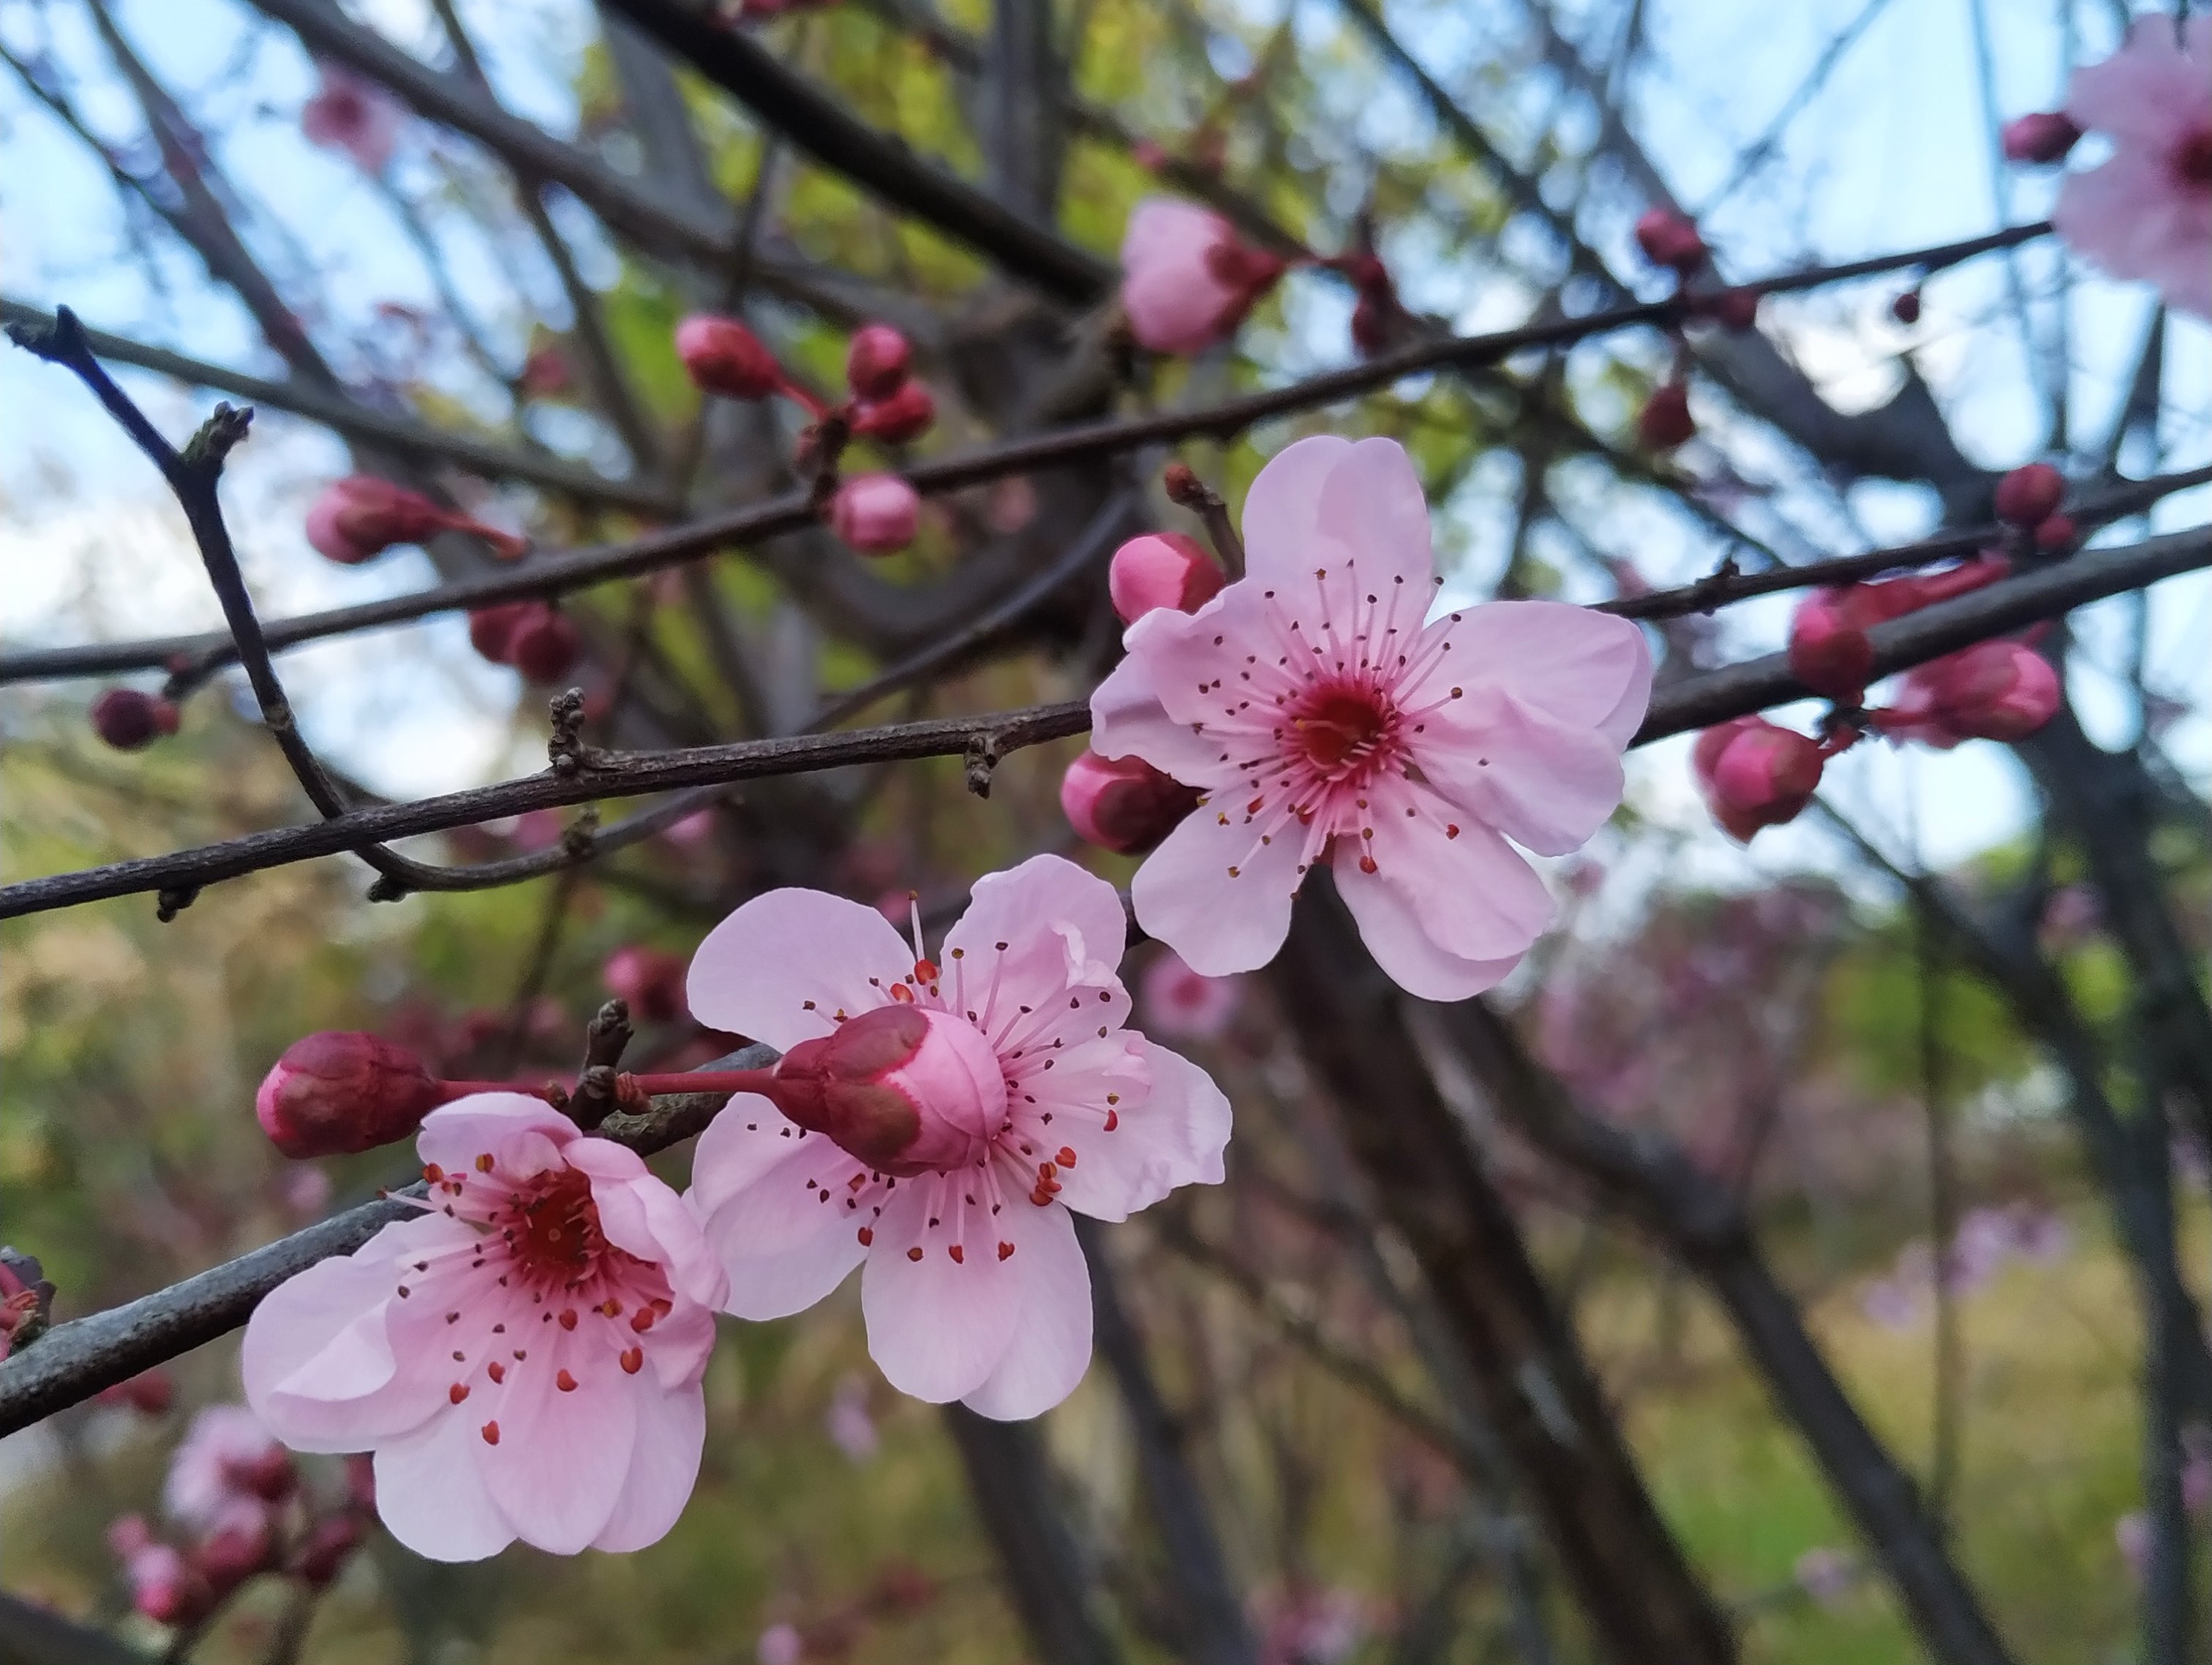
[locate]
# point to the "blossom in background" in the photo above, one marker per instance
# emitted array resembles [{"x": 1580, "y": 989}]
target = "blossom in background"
[
  {"x": 2147, "y": 212},
  {"x": 936, "y": 1119},
  {"x": 780, "y": 1644},
  {"x": 1178, "y": 1002},
  {"x": 1826, "y": 1575},
  {"x": 1187, "y": 280},
  {"x": 524, "y": 1358},
  {"x": 228, "y": 1470},
  {"x": 352, "y": 113},
  {"x": 1993, "y": 690},
  {"x": 1326, "y": 721},
  {"x": 1303, "y": 1625},
  {"x": 851, "y": 1429}
]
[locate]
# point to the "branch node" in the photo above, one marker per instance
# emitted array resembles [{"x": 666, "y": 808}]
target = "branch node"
[
  {"x": 564, "y": 749},
  {"x": 62, "y": 342},
  {"x": 168, "y": 904},
  {"x": 598, "y": 1086},
  {"x": 1185, "y": 488},
  {"x": 578, "y": 837},
  {"x": 983, "y": 758},
  {"x": 389, "y": 887},
  {"x": 217, "y": 437}
]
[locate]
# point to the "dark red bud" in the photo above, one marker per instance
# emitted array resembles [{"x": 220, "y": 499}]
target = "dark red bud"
[
  {"x": 2042, "y": 138},
  {"x": 329, "y": 1545},
  {"x": 491, "y": 630},
  {"x": 834, "y": 1086},
  {"x": 544, "y": 645},
  {"x": 2056, "y": 534},
  {"x": 905, "y": 415},
  {"x": 1905, "y": 309},
  {"x": 1668, "y": 239},
  {"x": 876, "y": 362},
  {"x": 2030, "y": 495},
  {"x": 1736, "y": 309},
  {"x": 340, "y": 1091},
  {"x": 1665, "y": 420},
  {"x": 724, "y": 357},
  {"x": 128, "y": 720}
]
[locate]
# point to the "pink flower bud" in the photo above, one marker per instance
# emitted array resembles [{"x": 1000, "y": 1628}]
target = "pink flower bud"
[
  {"x": 2056, "y": 534},
  {"x": 1665, "y": 420},
  {"x": 648, "y": 980},
  {"x": 876, "y": 362},
  {"x": 164, "y": 1586},
  {"x": 233, "y": 1553},
  {"x": 2042, "y": 138},
  {"x": 1736, "y": 309},
  {"x": 1124, "y": 803},
  {"x": 491, "y": 630},
  {"x": 904, "y": 414},
  {"x": 1162, "y": 569},
  {"x": 329, "y": 1544},
  {"x": 128, "y": 720},
  {"x": 362, "y": 516},
  {"x": 1668, "y": 239},
  {"x": 1754, "y": 773},
  {"x": 1994, "y": 690},
  {"x": 875, "y": 513},
  {"x": 2028, "y": 497},
  {"x": 1187, "y": 280},
  {"x": 150, "y": 1393},
  {"x": 545, "y": 644},
  {"x": 341, "y": 1092},
  {"x": 907, "y": 1091},
  {"x": 1906, "y": 308},
  {"x": 1829, "y": 652},
  {"x": 723, "y": 358}
]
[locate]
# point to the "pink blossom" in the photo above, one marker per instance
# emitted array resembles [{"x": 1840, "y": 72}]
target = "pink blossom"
[
  {"x": 524, "y": 1358},
  {"x": 2147, "y": 213},
  {"x": 1187, "y": 280},
  {"x": 1993, "y": 690},
  {"x": 780, "y": 1644},
  {"x": 1330, "y": 723},
  {"x": 2131, "y": 1537},
  {"x": 851, "y": 1429},
  {"x": 1179, "y": 1002},
  {"x": 875, "y": 513},
  {"x": 1022, "y": 1097},
  {"x": 1826, "y": 1575},
  {"x": 1308, "y": 1626},
  {"x": 353, "y": 114},
  {"x": 1162, "y": 569},
  {"x": 227, "y": 1470},
  {"x": 164, "y": 1585},
  {"x": 1126, "y": 806}
]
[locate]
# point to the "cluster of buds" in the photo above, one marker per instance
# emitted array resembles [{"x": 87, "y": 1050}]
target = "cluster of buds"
[
  {"x": 130, "y": 720},
  {"x": 536, "y": 637},
  {"x": 237, "y": 1499},
  {"x": 362, "y": 516},
  {"x": 1124, "y": 803},
  {"x": 1671, "y": 241},
  {"x": 26, "y": 1301}
]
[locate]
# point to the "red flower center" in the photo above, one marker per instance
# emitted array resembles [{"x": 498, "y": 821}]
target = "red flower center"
[
  {"x": 2192, "y": 162},
  {"x": 1343, "y": 731},
  {"x": 555, "y": 1229}
]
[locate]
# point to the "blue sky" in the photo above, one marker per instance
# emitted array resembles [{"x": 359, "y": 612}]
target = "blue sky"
[{"x": 1894, "y": 152}]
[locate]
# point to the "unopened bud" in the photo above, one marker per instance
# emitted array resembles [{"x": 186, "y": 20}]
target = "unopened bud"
[
  {"x": 2056, "y": 534},
  {"x": 1829, "y": 651},
  {"x": 2042, "y": 138},
  {"x": 724, "y": 357},
  {"x": 491, "y": 630},
  {"x": 362, "y": 515},
  {"x": 128, "y": 720},
  {"x": 1669, "y": 238},
  {"x": 1994, "y": 690},
  {"x": 875, "y": 513},
  {"x": 150, "y": 1393},
  {"x": 1754, "y": 773},
  {"x": 233, "y": 1553},
  {"x": 330, "y": 1544},
  {"x": 340, "y": 1091},
  {"x": 905, "y": 1088},
  {"x": 1736, "y": 309},
  {"x": 2030, "y": 495},
  {"x": 1122, "y": 804},
  {"x": 1665, "y": 420},
  {"x": 1162, "y": 569},
  {"x": 904, "y": 414},
  {"x": 876, "y": 362},
  {"x": 545, "y": 644},
  {"x": 1906, "y": 308}
]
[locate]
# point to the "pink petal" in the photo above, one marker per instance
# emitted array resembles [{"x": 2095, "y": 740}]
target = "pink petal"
[
  {"x": 1371, "y": 504},
  {"x": 1127, "y": 719},
  {"x": 664, "y": 1466},
  {"x": 1051, "y": 1346},
  {"x": 562, "y": 1458},
  {"x": 1171, "y": 1136},
  {"x": 321, "y": 1366},
  {"x": 756, "y": 971},
  {"x": 1587, "y": 670},
  {"x": 489, "y": 1123},
  {"x": 1023, "y": 904},
  {"x": 1185, "y": 895},
  {"x": 937, "y": 1328},
  {"x": 1548, "y": 784},
  {"x": 1185, "y": 654},
  {"x": 2146, "y": 93},
  {"x": 644, "y": 1218},
  {"x": 782, "y": 1249},
  {"x": 1175, "y": 310},
  {"x": 1167, "y": 227},
  {"x": 1477, "y": 898},
  {"x": 1390, "y": 925},
  {"x": 1282, "y": 515},
  {"x": 431, "y": 1496}
]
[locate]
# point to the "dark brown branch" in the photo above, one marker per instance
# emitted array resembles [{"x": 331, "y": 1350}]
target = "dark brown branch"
[
  {"x": 1697, "y": 702},
  {"x": 360, "y": 421},
  {"x": 557, "y": 574}
]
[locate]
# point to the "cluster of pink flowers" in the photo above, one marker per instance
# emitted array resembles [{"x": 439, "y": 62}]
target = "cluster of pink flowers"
[
  {"x": 2145, "y": 212},
  {"x": 1987, "y": 1240},
  {"x": 875, "y": 513}
]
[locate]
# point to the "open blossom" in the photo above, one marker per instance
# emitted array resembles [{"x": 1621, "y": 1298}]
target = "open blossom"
[
  {"x": 2147, "y": 212},
  {"x": 936, "y": 1121},
  {"x": 1325, "y": 721},
  {"x": 1187, "y": 280},
  {"x": 524, "y": 1358},
  {"x": 352, "y": 113}
]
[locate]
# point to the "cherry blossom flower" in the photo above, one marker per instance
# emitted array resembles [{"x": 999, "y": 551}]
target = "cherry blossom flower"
[
  {"x": 1181, "y": 1003},
  {"x": 227, "y": 1470},
  {"x": 1187, "y": 279},
  {"x": 524, "y": 1358},
  {"x": 936, "y": 1125},
  {"x": 1328, "y": 722},
  {"x": 850, "y": 1428},
  {"x": 875, "y": 513},
  {"x": 780, "y": 1644},
  {"x": 351, "y": 113},
  {"x": 2147, "y": 212}
]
